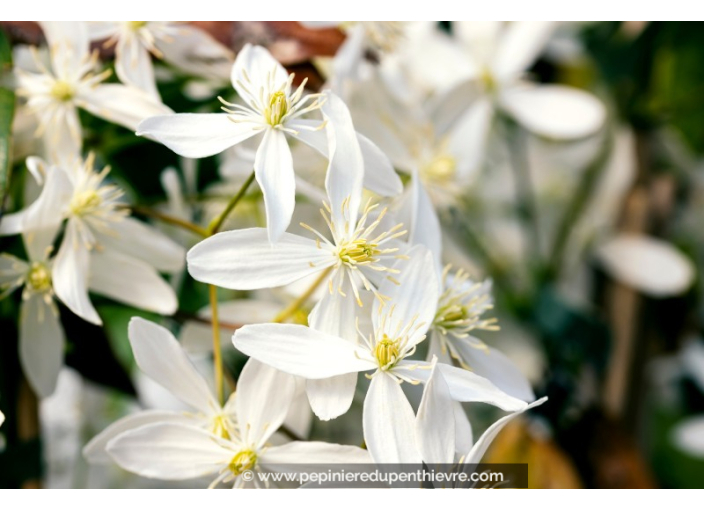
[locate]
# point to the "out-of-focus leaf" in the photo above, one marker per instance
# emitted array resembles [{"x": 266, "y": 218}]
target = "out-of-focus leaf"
[
  {"x": 90, "y": 353},
  {"x": 7, "y": 112}
]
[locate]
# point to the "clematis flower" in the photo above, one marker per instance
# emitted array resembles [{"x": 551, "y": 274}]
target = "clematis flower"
[
  {"x": 178, "y": 43},
  {"x": 436, "y": 428},
  {"x": 272, "y": 110},
  {"x": 2, "y": 418},
  {"x": 42, "y": 340},
  {"x": 55, "y": 93},
  {"x": 92, "y": 254},
  {"x": 397, "y": 330},
  {"x": 175, "y": 451},
  {"x": 361, "y": 251}
]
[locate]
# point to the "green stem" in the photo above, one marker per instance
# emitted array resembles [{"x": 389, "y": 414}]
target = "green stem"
[
  {"x": 171, "y": 220},
  {"x": 217, "y": 222},
  {"x": 301, "y": 300}
]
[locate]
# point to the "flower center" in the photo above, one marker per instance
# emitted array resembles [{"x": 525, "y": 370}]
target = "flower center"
[
  {"x": 487, "y": 78},
  {"x": 221, "y": 426},
  {"x": 277, "y": 109},
  {"x": 136, "y": 25},
  {"x": 387, "y": 352},
  {"x": 39, "y": 278},
  {"x": 358, "y": 251},
  {"x": 85, "y": 202},
  {"x": 462, "y": 304},
  {"x": 440, "y": 169},
  {"x": 63, "y": 91},
  {"x": 243, "y": 461}
]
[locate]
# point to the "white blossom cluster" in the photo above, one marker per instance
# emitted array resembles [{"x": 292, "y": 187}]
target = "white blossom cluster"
[{"x": 352, "y": 179}]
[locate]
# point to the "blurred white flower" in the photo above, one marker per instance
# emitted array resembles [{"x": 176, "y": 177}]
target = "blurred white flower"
[
  {"x": 180, "y": 44},
  {"x": 93, "y": 254},
  {"x": 688, "y": 436},
  {"x": 647, "y": 264},
  {"x": 54, "y": 94},
  {"x": 175, "y": 451}
]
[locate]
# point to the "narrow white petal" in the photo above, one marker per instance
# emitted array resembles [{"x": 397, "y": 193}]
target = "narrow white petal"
[
  {"x": 68, "y": 44},
  {"x": 12, "y": 272},
  {"x": 70, "y": 275},
  {"x": 345, "y": 172},
  {"x": 169, "y": 451},
  {"x": 246, "y": 260},
  {"x": 435, "y": 422},
  {"x": 264, "y": 395},
  {"x": 479, "y": 449},
  {"x": 520, "y": 45},
  {"x": 160, "y": 356},
  {"x": 94, "y": 452},
  {"x": 273, "y": 167},
  {"x": 196, "y": 135},
  {"x": 197, "y": 53},
  {"x": 123, "y": 105},
  {"x": 133, "y": 65},
  {"x": 41, "y": 345},
  {"x": 416, "y": 298},
  {"x": 144, "y": 242},
  {"x": 379, "y": 174},
  {"x": 496, "y": 367},
  {"x": 555, "y": 111},
  {"x": 336, "y": 315},
  {"x": 131, "y": 281},
  {"x": 466, "y": 386},
  {"x": 425, "y": 224},
  {"x": 463, "y": 431},
  {"x": 257, "y": 64},
  {"x": 389, "y": 423},
  {"x": 331, "y": 397},
  {"x": 299, "y": 350},
  {"x": 467, "y": 139},
  {"x": 650, "y": 265},
  {"x": 688, "y": 436}
]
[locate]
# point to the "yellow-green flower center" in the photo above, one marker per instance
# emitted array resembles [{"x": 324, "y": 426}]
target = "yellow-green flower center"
[
  {"x": 386, "y": 352},
  {"x": 62, "y": 91},
  {"x": 39, "y": 278},
  {"x": 487, "y": 78},
  {"x": 136, "y": 25},
  {"x": 220, "y": 426},
  {"x": 440, "y": 169},
  {"x": 359, "y": 251},
  {"x": 243, "y": 461},
  {"x": 85, "y": 202},
  {"x": 277, "y": 109}
]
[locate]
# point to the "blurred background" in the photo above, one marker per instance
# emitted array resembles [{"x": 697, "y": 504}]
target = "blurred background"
[{"x": 596, "y": 252}]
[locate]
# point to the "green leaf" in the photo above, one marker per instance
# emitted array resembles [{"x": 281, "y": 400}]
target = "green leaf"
[{"x": 7, "y": 112}]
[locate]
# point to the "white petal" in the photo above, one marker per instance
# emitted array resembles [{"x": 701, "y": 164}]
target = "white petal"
[
  {"x": 99, "y": 30},
  {"x": 479, "y": 449},
  {"x": 12, "y": 273},
  {"x": 246, "y": 260},
  {"x": 144, "y": 242},
  {"x": 41, "y": 345},
  {"x": 520, "y": 45},
  {"x": 425, "y": 224},
  {"x": 496, "y": 367},
  {"x": 68, "y": 43},
  {"x": 256, "y": 68},
  {"x": 123, "y": 105},
  {"x": 379, "y": 174},
  {"x": 416, "y": 298},
  {"x": 94, "y": 452},
  {"x": 435, "y": 422},
  {"x": 466, "y": 386},
  {"x": 647, "y": 264},
  {"x": 273, "y": 167},
  {"x": 299, "y": 418},
  {"x": 389, "y": 423},
  {"x": 335, "y": 315},
  {"x": 264, "y": 395},
  {"x": 331, "y": 397},
  {"x": 169, "y": 451},
  {"x": 345, "y": 172},
  {"x": 70, "y": 275},
  {"x": 133, "y": 65},
  {"x": 160, "y": 356},
  {"x": 196, "y": 135},
  {"x": 313, "y": 452},
  {"x": 688, "y": 435},
  {"x": 463, "y": 431},
  {"x": 555, "y": 111},
  {"x": 467, "y": 139},
  {"x": 197, "y": 53},
  {"x": 131, "y": 281},
  {"x": 299, "y": 350}
]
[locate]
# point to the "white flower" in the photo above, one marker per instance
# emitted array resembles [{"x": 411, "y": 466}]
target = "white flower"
[
  {"x": 2, "y": 418},
  {"x": 93, "y": 254},
  {"x": 688, "y": 436},
  {"x": 174, "y": 451},
  {"x": 54, "y": 94},
  {"x": 162, "y": 359},
  {"x": 42, "y": 340},
  {"x": 272, "y": 109},
  {"x": 183, "y": 45},
  {"x": 442, "y": 429},
  {"x": 398, "y": 329},
  {"x": 359, "y": 254}
]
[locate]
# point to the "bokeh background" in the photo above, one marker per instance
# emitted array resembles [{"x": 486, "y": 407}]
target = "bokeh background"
[{"x": 596, "y": 257}]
